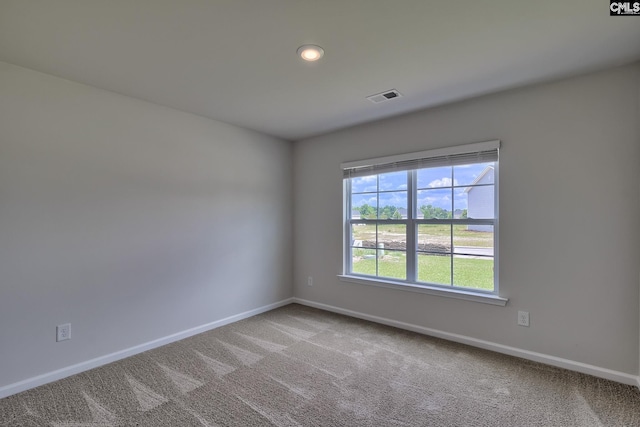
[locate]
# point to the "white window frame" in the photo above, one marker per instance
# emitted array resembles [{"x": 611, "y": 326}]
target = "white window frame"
[{"x": 412, "y": 162}]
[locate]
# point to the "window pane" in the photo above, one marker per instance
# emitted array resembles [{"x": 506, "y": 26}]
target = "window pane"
[
  {"x": 473, "y": 272},
  {"x": 392, "y": 264},
  {"x": 473, "y": 239},
  {"x": 434, "y": 177},
  {"x": 364, "y": 206},
  {"x": 434, "y": 269},
  {"x": 363, "y": 261},
  {"x": 392, "y": 236},
  {"x": 479, "y": 203},
  {"x": 364, "y": 184},
  {"x": 468, "y": 174},
  {"x": 392, "y": 181},
  {"x": 363, "y": 235},
  {"x": 434, "y": 238},
  {"x": 393, "y": 205},
  {"x": 434, "y": 204}
]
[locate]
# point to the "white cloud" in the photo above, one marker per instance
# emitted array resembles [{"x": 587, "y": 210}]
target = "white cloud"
[{"x": 444, "y": 182}]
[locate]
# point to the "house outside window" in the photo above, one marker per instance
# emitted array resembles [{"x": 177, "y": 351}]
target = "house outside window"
[{"x": 480, "y": 198}]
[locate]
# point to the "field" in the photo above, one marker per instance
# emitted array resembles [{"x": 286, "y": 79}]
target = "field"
[{"x": 435, "y": 267}]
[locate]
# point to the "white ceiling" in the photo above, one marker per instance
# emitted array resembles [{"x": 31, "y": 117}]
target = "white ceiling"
[{"x": 235, "y": 60}]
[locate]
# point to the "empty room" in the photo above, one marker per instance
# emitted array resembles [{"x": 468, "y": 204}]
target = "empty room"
[{"x": 319, "y": 213}]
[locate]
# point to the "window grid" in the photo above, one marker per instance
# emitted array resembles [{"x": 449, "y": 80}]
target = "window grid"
[{"x": 413, "y": 221}]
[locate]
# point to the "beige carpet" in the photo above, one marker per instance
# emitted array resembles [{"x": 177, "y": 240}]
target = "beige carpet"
[{"x": 297, "y": 366}]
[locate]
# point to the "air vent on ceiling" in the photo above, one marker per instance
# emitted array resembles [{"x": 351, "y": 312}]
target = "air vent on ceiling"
[{"x": 384, "y": 96}]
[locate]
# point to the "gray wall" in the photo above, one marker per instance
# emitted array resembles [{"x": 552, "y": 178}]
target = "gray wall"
[
  {"x": 130, "y": 220},
  {"x": 569, "y": 210}
]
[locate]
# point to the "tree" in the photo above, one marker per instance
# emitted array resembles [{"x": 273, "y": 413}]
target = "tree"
[
  {"x": 387, "y": 212},
  {"x": 430, "y": 211},
  {"x": 367, "y": 212},
  {"x": 464, "y": 213}
]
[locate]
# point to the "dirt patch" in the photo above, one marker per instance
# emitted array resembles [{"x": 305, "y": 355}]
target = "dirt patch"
[{"x": 402, "y": 246}]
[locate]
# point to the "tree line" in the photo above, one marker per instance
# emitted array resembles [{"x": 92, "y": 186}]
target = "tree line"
[{"x": 392, "y": 212}]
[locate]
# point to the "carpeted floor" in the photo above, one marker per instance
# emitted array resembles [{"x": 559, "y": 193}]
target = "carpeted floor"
[{"x": 297, "y": 366}]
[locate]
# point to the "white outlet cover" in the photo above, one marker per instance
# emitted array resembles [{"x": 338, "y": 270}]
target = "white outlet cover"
[
  {"x": 523, "y": 318},
  {"x": 63, "y": 332}
]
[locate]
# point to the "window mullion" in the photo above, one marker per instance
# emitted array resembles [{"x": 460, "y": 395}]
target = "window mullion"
[
  {"x": 348, "y": 254},
  {"x": 496, "y": 232},
  {"x": 377, "y": 248},
  {"x": 453, "y": 208},
  {"x": 411, "y": 226},
  {"x": 451, "y": 236}
]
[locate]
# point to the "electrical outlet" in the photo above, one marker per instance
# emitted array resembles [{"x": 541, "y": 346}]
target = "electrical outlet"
[
  {"x": 309, "y": 281},
  {"x": 523, "y": 318},
  {"x": 63, "y": 332}
]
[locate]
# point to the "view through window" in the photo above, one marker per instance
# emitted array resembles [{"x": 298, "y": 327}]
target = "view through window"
[{"x": 429, "y": 226}]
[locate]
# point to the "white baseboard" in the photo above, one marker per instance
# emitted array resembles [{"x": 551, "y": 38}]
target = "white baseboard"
[
  {"x": 571, "y": 365},
  {"x": 39, "y": 380}
]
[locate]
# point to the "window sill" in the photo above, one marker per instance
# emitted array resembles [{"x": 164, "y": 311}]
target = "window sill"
[{"x": 426, "y": 289}]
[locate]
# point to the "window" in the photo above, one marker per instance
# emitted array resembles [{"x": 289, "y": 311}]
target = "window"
[{"x": 426, "y": 220}]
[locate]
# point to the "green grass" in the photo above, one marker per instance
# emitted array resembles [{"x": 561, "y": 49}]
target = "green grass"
[{"x": 473, "y": 273}]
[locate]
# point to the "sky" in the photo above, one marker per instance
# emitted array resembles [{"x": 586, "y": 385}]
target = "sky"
[{"x": 434, "y": 187}]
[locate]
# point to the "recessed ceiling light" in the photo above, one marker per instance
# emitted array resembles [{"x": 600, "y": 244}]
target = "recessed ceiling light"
[{"x": 310, "y": 52}]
